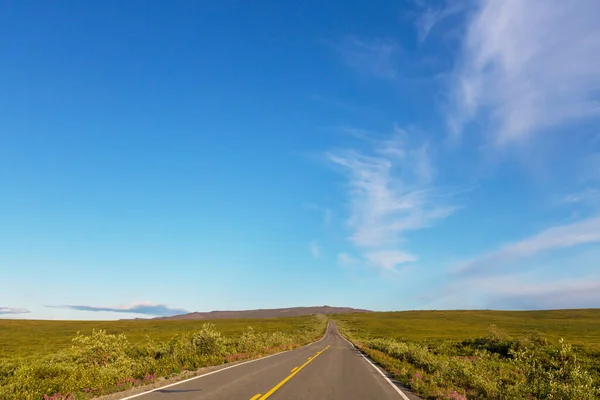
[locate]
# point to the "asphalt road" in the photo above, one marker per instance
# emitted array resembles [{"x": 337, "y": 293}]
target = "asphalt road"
[{"x": 331, "y": 369}]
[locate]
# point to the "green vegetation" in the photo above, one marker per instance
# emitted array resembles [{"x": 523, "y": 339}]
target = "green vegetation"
[
  {"x": 35, "y": 338},
  {"x": 484, "y": 354},
  {"x": 50, "y": 360},
  {"x": 581, "y": 327}
]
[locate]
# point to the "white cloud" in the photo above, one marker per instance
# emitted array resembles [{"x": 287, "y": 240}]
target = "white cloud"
[
  {"x": 585, "y": 196},
  {"x": 389, "y": 190},
  {"x": 345, "y": 259},
  {"x": 8, "y": 310},
  {"x": 314, "y": 249},
  {"x": 513, "y": 293},
  {"x": 529, "y": 65},
  {"x": 579, "y": 293},
  {"x": 390, "y": 193},
  {"x": 388, "y": 259},
  {"x": 557, "y": 237},
  {"x": 142, "y": 307},
  {"x": 432, "y": 16},
  {"x": 373, "y": 56}
]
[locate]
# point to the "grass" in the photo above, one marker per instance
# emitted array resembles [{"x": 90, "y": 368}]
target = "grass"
[
  {"x": 455, "y": 355},
  {"x": 579, "y": 327},
  {"x": 50, "y": 360},
  {"x": 485, "y": 354},
  {"x": 38, "y": 338}
]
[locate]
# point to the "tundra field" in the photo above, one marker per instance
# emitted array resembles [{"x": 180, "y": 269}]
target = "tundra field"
[
  {"x": 34, "y": 338},
  {"x": 484, "y": 354},
  {"x": 51, "y": 360},
  {"x": 437, "y": 354}
]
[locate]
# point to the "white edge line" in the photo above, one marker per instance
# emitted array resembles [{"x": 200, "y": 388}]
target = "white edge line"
[
  {"x": 386, "y": 378},
  {"x": 379, "y": 370},
  {"x": 221, "y": 369}
]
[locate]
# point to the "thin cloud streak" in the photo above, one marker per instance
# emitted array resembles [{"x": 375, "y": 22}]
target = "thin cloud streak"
[
  {"x": 513, "y": 293},
  {"x": 432, "y": 16},
  {"x": 8, "y": 310},
  {"x": 588, "y": 195},
  {"x": 146, "y": 308},
  {"x": 376, "y": 57},
  {"x": 557, "y": 237},
  {"x": 575, "y": 294},
  {"x": 344, "y": 259},
  {"x": 525, "y": 70},
  {"x": 389, "y": 193},
  {"x": 388, "y": 259},
  {"x": 314, "y": 250}
]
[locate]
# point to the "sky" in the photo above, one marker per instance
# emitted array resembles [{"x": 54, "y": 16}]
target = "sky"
[{"x": 160, "y": 157}]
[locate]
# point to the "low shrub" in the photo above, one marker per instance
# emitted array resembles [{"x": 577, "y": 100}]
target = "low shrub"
[
  {"x": 102, "y": 363},
  {"x": 493, "y": 367}
]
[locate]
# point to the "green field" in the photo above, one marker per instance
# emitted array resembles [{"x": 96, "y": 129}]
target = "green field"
[
  {"x": 454, "y": 355},
  {"x": 499, "y": 355},
  {"x": 30, "y": 337},
  {"x": 68, "y": 360},
  {"x": 579, "y": 327}
]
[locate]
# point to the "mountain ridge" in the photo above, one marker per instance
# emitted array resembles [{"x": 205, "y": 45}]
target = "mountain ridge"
[{"x": 264, "y": 313}]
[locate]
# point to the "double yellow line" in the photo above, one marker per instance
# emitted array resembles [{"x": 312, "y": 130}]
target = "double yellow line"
[{"x": 290, "y": 376}]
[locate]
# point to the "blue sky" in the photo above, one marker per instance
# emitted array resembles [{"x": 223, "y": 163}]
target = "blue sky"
[{"x": 161, "y": 158}]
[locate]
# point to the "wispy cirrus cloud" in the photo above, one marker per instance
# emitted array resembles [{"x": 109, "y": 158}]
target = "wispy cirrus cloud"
[
  {"x": 314, "y": 249},
  {"x": 388, "y": 259},
  {"x": 9, "y": 310},
  {"x": 587, "y": 195},
  {"x": 524, "y": 74},
  {"x": 563, "y": 293},
  {"x": 346, "y": 259},
  {"x": 390, "y": 192},
  {"x": 144, "y": 307},
  {"x": 557, "y": 237},
  {"x": 522, "y": 292},
  {"x": 431, "y": 15},
  {"x": 528, "y": 66},
  {"x": 555, "y": 268},
  {"x": 378, "y": 57}
]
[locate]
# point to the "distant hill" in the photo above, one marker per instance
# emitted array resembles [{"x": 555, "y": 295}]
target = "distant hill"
[{"x": 266, "y": 313}]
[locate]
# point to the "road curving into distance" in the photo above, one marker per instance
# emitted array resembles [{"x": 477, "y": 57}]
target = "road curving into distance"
[{"x": 330, "y": 369}]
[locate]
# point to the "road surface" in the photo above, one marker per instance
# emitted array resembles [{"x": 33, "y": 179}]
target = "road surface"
[{"x": 331, "y": 369}]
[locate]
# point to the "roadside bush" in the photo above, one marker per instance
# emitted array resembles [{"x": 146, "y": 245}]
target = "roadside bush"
[
  {"x": 248, "y": 342},
  {"x": 493, "y": 367},
  {"x": 556, "y": 374},
  {"x": 208, "y": 341},
  {"x": 99, "y": 349},
  {"x": 103, "y": 363}
]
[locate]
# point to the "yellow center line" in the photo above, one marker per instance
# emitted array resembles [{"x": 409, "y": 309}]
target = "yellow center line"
[
  {"x": 290, "y": 376},
  {"x": 293, "y": 369},
  {"x": 255, "y": 397}
]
